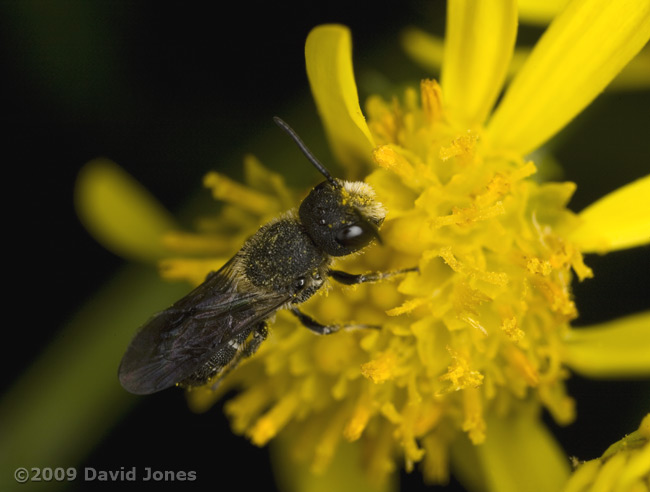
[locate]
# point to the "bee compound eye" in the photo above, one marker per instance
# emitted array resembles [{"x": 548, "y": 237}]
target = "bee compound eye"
[{"x": 351, "y": 235}]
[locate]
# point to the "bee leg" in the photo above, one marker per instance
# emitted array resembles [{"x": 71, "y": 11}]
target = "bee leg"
[
  {"x": 259, "y": 335},
  {"x": 246, "y": 349},
  {"x": 316, "y": 327},
  {"x": 352, "y": 279}
]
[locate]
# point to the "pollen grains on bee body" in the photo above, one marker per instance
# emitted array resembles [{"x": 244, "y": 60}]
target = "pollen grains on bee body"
[{"x": 279, "y": 253}]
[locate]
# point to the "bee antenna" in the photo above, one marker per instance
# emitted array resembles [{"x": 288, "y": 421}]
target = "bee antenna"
[{"x": 311, "y": 157}]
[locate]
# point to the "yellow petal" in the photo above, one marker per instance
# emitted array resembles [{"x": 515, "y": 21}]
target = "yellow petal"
[
  {"x": 466, "y": 467},
  {"x": 540, "y": 12},
  {"x": 619, "y": 220},
  {"x": 68, "y": 399},
  {"x": 344, "y": 473},
  {"x": 120, "y": 213},
  {"x": 227, "y": 190},
  {"x": 619, "y": 348},
  {"x": 585, "y": 47},
  {"x": 624, "y": 467},
  {"x": 478, "y": 46},
  {"x": 427, "y": 50},
  {"x": 328, "y": 54},
  {"x": 424, "y": 48},
  {"x": 636, "y": 75},
  {"x": 634, "y": 440},
  {"x": 521, "y": 454}
]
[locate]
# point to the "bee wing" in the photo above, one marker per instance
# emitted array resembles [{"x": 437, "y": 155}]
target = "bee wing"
[{"x": 176, "y": 342}]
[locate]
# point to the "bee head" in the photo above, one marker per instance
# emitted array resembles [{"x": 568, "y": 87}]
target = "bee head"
[{"x": 342, "y": 217}]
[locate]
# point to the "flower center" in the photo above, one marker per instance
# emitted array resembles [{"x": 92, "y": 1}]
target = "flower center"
[{"x": 477, "y": 331}]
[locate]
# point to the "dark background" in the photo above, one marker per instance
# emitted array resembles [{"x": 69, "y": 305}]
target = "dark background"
[{"x": 170, "y": 90}]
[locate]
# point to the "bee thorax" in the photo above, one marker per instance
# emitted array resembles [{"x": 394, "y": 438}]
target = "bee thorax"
[{"x": 281, "y": 257}]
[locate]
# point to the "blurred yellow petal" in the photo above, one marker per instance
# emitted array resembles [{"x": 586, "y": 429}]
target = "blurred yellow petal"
[
  {"x": 120, "y": 213},
  {"x": 619, "y": 220},
  {"x": 540, "y": 12},
  {"x": 466, "y": 466},
  {"x": 619, "y": 348},
  {"x": 583, "y": 477},
  {"x": 521, "y": 454},
  {"x": 636, "y": 75},
  {"x": 328, "y": 54},
  {"x": 69, "y": 399},
  {"x": 478, "y": 46},
  {"x": 227, "y": 190},
  {"x": 585, "y": 47},
  {"x": 424, "y": 48},
  {"x": 636, "y": 439},
  {"x": 344, "y": 473},
  {"x": 624, "y": 467}
]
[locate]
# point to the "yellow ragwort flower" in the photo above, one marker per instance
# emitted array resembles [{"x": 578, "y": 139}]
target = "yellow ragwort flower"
[
  {"x": 475, "y": 344},
  {"x": 485, "y": 325},
  {"x": 484, "y": 328}
]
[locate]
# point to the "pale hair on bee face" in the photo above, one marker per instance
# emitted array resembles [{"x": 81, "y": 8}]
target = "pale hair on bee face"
[{"x": 362, "y": 196}]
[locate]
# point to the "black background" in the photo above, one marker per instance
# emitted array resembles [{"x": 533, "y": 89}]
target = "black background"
[{"x": 168, "y": 86}]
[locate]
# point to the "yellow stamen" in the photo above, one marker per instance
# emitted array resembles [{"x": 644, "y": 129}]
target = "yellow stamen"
[
  {"x": 474, "y": 323},
  {"x": 474, "y": 423},
  {"x": 359, "y": 419},
  {"x": 267, "y": 426},
  {"x": 412, "y": 453},
  {"x": 469, "y": 215},
  {"x": 462, "y": 146},
  {"x": 389, "y": 411},
  {"x": 510, "y": 327},
  {"x": 431, "y": 96},
  {"x": 388, "y": 158},
  {"x": 460, "y": 374},
  {"x": 537, "y": 266},
  {"x": 260, "y": 178},
  {"x": 522, "y": 364},
  {"x": 247, "y": 406},
  {"x": 428, "y": 416},
  {"x": 466, "y": 299},
  {"x": 501, "y": 184},
  {"x": 558, "y": 403},
  {"x": 407, "y": 306},
  {"x": 494, "y": 278},
  {"x": 558, "y": 297},
  {"x": 381, "y": 368}
]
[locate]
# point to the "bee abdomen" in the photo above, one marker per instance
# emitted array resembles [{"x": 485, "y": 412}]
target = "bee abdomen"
[{"x": 227, "y": 357}]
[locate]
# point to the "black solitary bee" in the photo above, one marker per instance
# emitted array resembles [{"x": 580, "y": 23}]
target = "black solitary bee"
[{"x": 208, "y": 332}]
